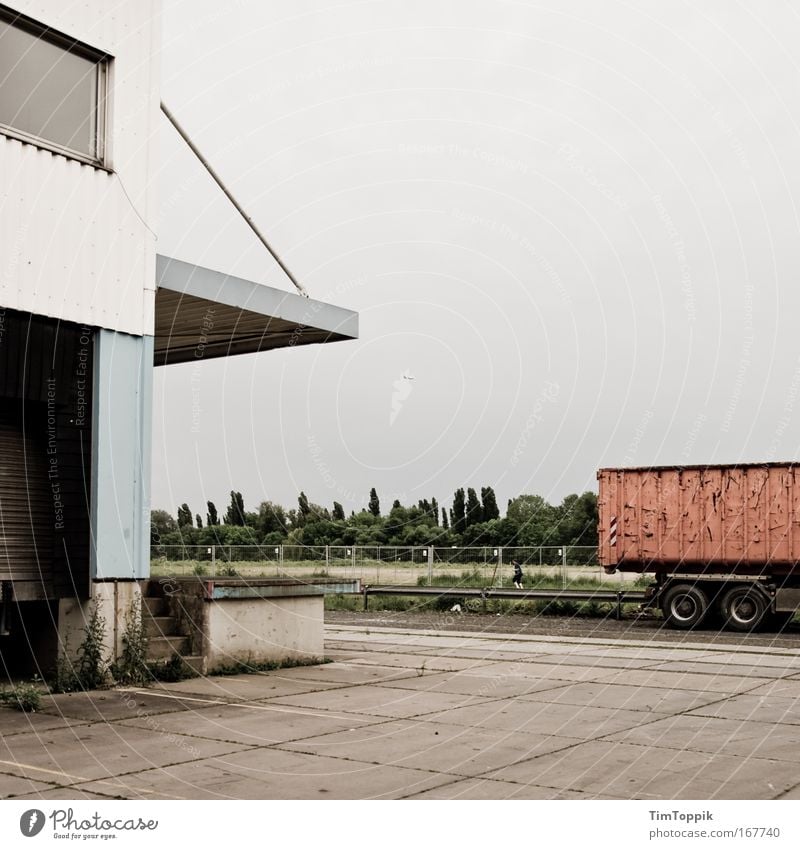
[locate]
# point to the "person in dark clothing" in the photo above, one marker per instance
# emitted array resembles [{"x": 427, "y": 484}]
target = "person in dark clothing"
[{"x": 517, "y": 574}]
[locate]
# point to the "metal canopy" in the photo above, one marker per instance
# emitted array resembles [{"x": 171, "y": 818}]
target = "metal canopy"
[{"x": 201, "y": 313}]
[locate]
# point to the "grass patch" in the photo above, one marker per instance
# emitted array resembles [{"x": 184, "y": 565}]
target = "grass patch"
[
  {"x": 247, "y": 668},
  {"x": 170, "y": 671}
]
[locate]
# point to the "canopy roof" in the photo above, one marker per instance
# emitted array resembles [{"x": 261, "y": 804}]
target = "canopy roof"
[{"x": 201, "y": 313}]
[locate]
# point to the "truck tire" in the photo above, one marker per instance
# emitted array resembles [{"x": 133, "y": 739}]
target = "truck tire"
[
  {"x": 743, "y": 608},
  {"x": 684, "y": 606}
]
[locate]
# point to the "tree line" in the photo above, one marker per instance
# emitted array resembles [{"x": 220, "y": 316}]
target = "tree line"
[{"x": 472, "y": 520}]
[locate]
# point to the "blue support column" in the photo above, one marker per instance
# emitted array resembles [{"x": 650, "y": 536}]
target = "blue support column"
[{"x": 121, "y": 437}]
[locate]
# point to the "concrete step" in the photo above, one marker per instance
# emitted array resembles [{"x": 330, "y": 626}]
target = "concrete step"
[
  {"x": 160, "y": 626},
  {"x": 155, "y": 606},
  {"x": 162, "y": 648}
]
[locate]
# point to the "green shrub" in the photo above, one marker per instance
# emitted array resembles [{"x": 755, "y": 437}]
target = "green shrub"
[
  {"x": 89, "y": 671},
  {"x": 131, "y": 667},
  {"x": 24, "y": 697}
]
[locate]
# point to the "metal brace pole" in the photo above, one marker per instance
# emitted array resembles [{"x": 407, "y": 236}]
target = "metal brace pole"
[{"x": 218, "y": 180}]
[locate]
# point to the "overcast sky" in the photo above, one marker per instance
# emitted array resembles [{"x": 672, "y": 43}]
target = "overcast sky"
[{"x": 572, "y": 223}]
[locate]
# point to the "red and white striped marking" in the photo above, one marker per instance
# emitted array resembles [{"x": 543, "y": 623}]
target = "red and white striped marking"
[{"x": 612, "y": 532}]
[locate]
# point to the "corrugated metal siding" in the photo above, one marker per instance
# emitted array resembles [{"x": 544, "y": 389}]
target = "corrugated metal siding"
[
  {"x": 75, "y": 246},
  {"x": 740, "y": 519}
]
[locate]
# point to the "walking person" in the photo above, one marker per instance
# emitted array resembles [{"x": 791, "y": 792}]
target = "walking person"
[{"x": 517, "y": 574}]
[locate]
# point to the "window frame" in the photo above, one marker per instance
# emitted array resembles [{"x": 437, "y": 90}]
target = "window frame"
[{"x": 103, "y": 61}]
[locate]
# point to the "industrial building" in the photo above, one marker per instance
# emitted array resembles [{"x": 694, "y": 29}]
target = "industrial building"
[{"x": 87, "y": 310}]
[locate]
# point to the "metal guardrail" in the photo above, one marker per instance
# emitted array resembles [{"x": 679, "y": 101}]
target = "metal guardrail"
[{"x": 618, "y": 597}]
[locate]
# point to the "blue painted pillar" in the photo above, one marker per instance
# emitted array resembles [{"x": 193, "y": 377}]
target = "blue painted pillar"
[{"x": 121, "y": 445}]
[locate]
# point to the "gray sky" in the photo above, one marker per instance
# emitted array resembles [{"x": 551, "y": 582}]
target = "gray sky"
[{"x": 573, "y": 223}]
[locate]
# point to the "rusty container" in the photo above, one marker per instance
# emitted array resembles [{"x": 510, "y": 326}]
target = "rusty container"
[{"x": 740, "y": 520}]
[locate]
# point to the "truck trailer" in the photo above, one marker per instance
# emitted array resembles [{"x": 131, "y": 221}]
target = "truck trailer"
[{"x": 721, "y": 542}]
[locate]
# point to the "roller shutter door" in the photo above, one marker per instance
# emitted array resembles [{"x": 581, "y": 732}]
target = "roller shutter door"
[{"x": 26, "y": 509}]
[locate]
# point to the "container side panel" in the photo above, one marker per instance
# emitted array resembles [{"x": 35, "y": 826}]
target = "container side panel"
[
  {"x": 711, "y": 535},
  {"x": 692, "y": 521},
  {"x": 628, "y": 537},
  {"x": 778, "y": 517},
  {"x": 755, "y": 515},
  {"x": 670, "y": 515},
  {"x": 648, "y": 512},
  {"x": 606, "y": 511},
  {"x": 733, "y": 501},
  {"x": 794, "y": 517}
]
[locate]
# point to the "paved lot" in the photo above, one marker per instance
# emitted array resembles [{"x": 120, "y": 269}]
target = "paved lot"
[{"x": 422, "y": 714}]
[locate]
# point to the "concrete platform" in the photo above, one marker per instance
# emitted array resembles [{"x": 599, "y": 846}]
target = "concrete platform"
[{"x": 430, "y": 715}]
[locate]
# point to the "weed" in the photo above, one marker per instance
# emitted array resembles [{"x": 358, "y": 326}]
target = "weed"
[
  {"x": 89, "y": 670},
  {"x": 131, "y": 667},
  {"x": 24, "y": 697}
]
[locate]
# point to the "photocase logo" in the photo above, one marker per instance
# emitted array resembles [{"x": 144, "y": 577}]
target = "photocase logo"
[
  {"x": 402, "y": 389},
  {"x": 31, "y": 822}
]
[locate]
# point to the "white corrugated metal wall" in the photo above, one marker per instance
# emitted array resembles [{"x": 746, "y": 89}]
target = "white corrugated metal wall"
[{"x": 75, "y": 246}]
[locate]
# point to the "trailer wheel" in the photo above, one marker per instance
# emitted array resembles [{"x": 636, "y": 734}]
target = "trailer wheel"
[
  {"x": 743, "y": 608},
  {"x": 684, "y": 606}
]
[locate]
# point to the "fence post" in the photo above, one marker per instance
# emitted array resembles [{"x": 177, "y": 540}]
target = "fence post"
[
  {"x": 500, "y": 564},
  {"x": 327, "y": 557},
  {"x": 430, "y": 565},
  {"x": 564, "y": 566}
]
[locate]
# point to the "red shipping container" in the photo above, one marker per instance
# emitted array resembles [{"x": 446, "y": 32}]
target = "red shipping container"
[{"x": 740, "y": 520}]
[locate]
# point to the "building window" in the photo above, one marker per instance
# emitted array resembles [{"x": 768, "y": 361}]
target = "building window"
[{"x": 52, "y": 89}]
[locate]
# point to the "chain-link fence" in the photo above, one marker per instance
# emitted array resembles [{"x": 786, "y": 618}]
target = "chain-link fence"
[{"x": 484, "y": 566}]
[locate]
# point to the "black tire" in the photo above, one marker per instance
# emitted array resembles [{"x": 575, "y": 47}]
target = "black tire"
[
  {"x": 743, "y": 608},
  {"x": 684, "y": 606}
]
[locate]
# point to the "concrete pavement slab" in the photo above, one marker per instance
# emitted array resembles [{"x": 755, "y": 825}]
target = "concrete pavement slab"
[
  {"x": 17, "y": 722},
  {"x": 240, "y": 687},
  {"x": 12, "y": 786},
  {"x": 488, "y": 788},
  {"x": 73, "y": 755},
  {"x": 486, "y": 654},
  {"x": 742, "y": 738},
  {"x": 66, "y": 793},
  {"x": 257, "y": 724},
  {"x": 636, "y": 772},
  {"x": 414, "y": 661},
  {"x": 723, "y": 684},
  {"x": 647, "y": 699},
  {"x": 764, "y": 708},
  {"x": 338, "y": 674},
  {"x": 108, "y": 705},
  {"x": 585, "y": 723},
  {"x": 473, "y": 684},
  {"x": 783, "y": 687},
  {"x": 714, "y": 667},
  {"x": 437, "y": 747},
  {"x": 597, "y": 661},
  {"x": 545, "y": 672},
  {"x": 274, "y": 774},
  {"x": 382, "y": 701}
]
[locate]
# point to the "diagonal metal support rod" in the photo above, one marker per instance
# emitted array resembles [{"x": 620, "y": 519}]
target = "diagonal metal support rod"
[{"x": 218, "y": 180}]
